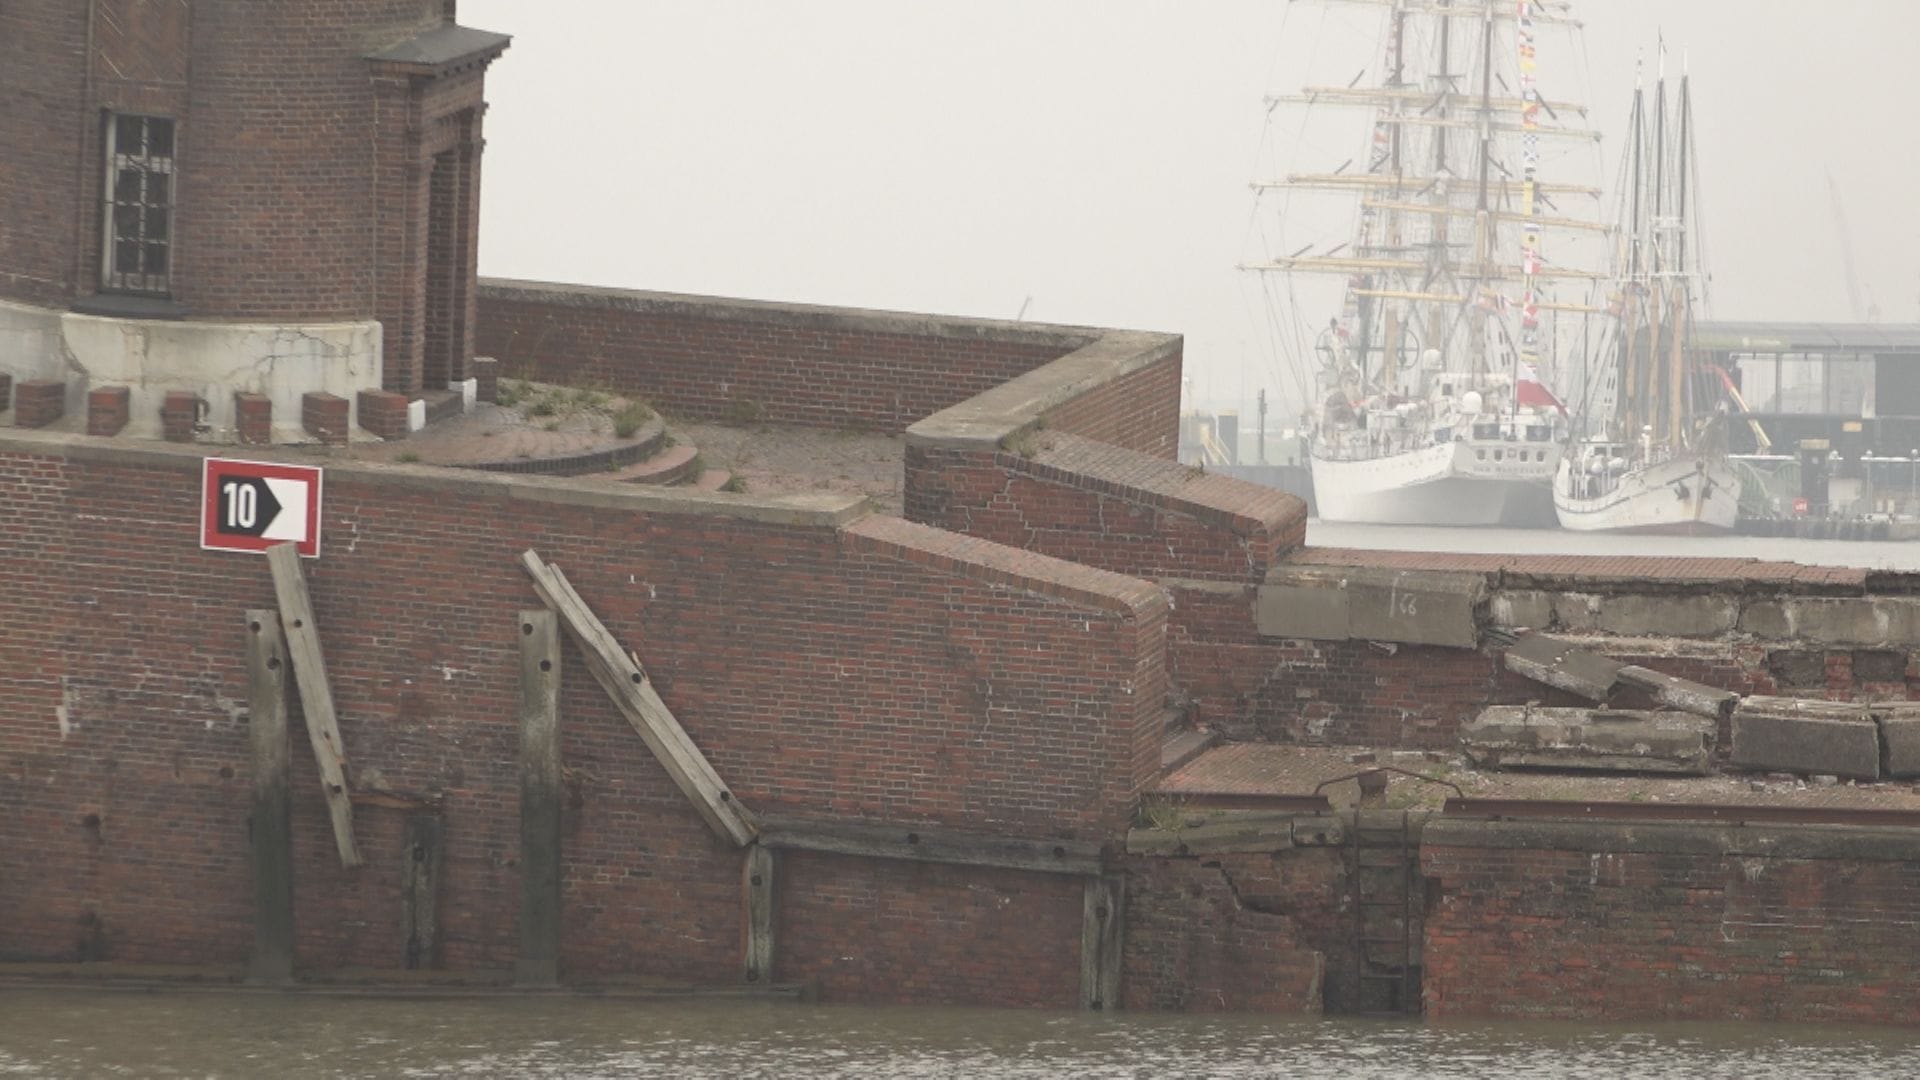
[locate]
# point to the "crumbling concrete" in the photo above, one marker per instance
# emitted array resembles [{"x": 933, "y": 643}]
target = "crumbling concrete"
[{"x": 1523, "y": 736}]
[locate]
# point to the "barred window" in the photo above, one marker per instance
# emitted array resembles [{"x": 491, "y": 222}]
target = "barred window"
[{"x": 137, "y": 234}]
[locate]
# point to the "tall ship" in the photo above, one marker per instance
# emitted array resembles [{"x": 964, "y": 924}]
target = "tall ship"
[
  {"x": 1652, "y": 455},
  {"x": 1429, "y": 400}
]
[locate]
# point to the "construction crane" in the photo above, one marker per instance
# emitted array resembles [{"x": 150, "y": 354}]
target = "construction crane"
[{"x": 1864, "y": 309}]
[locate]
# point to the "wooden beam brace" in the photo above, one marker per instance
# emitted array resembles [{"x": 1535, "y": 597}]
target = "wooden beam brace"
[
  {"x": 540, "y": 797},
  {"x": 270, "y": 830},
  {"x": 756, "y": 883},
  {"x": 621, "y": 676},
  {"x": 1100, "y": 942},
  {"x": 316, "y": 698},
  {"x": 934, "y": 845}
]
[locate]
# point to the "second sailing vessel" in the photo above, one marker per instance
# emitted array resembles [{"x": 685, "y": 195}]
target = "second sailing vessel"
[
  {"x": 1429, "y": 407},
  {"x": 1656, "y": 459}
]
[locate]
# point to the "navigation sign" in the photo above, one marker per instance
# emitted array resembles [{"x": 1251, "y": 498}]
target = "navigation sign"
[{"x": 253, "y": 505}]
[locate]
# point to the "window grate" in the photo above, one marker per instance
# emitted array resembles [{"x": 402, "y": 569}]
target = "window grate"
[{"x": 137, "y": 235}]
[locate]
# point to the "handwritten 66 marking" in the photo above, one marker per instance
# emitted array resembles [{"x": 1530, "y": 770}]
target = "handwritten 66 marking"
[{"x": 253, "y": 505}]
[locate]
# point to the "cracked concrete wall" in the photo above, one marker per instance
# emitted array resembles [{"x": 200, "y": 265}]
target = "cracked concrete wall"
[{"x": 212, "y": 359}]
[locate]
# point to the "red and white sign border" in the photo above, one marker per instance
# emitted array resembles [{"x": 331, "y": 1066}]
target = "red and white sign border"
[{"x": 210, "y": 505}]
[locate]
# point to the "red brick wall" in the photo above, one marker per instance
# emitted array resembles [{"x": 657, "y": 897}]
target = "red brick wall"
[
  {"x": 1225, "y": 934},
  {"x": 1584, "y": 927},
  {"x": 42, "y": 82},
  {"x": 878, "y": 670},
  {"x": 1105, "y": 506},
  {"x": 715, "y": 360}
]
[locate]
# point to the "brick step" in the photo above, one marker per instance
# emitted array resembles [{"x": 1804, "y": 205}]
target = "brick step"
[
  {"x": 1181, "y": 747},
  {"x": 669, "y": 466},
  {"x": 711, "y": 480}
]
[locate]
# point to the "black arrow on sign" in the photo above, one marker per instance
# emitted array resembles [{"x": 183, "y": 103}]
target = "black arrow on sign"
[{"x": 247, "y": 506}]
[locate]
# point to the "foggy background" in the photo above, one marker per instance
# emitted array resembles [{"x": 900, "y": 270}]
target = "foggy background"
[{"x": 1087, "y": 161}]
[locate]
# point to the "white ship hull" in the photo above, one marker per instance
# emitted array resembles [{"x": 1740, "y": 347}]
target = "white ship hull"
[
  {"x": 1688, "y": 494},
  {"x": 1457, "y": 483}
]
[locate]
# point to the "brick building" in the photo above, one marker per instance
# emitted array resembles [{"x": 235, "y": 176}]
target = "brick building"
[{"x": 221, "y": 197}]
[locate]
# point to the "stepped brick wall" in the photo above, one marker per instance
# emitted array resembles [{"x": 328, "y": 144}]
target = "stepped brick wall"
[
  {"x": 829, "y": 663},
  {"x": 711, "y": 359}
]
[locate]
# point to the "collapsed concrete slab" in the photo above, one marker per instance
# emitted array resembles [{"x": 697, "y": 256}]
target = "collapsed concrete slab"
[
  {"x": 1899, "y": 736},
  {"x": 1797, "y": 735},
  {"x": 1597, "y": 740},
  {"x": 1563, "y": 665}
]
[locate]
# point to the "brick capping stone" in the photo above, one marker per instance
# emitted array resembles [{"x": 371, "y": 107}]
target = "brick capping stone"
[
  {"x": 384, "y": 413},
  {"x": 253, "y": 418},
  {"x": 1009, "y": 567},
  {"x": 325, "y": 417},
  {"x": 39, "y": 402},
  {"x": 108, "y": 409}
]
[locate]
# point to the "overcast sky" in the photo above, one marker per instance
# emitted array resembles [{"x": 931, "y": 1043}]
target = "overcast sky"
[{"x": 1086, "y": 161}]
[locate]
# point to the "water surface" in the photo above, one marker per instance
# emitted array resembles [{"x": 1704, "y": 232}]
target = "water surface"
[{"x": 82, "y": 1033}]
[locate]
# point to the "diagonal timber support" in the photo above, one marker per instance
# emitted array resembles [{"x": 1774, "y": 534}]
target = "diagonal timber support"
[
  {"x": 620, "y": 675},
  {"x": 316, "y": 698}
]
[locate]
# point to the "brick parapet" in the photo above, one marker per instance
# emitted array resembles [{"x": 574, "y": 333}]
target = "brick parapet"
[
  {"x": 180, "y": 414},
  {"x": 384, "y": 413},
  {"x": 39, "y": 402},
  {"x": 747, "y": 361},
  {"x": 253, "y": 418},
  {"x": 108, "y": 409},
  {"x": 326, "y": 417}
]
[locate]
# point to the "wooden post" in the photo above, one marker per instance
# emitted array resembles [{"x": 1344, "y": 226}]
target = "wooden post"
[
  {"x": 1100, "y": 942},
  {"x": 316, "y": 698},
  {"x": 756, "y": 880},
  {"x": 539, "y": 962},
  {"x": 620, "y": 675},
  {"x": 420, "y": 892},
  {"x": 271, "y": 826}
]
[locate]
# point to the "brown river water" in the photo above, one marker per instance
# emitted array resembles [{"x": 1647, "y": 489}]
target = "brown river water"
[{"x": 91, "y": 1033}]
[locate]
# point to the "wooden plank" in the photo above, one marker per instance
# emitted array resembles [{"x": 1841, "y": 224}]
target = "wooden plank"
[
  {"x": 1678, "y": 693},
  {"x": 621, "y": 676},
  {"x": 540, "y": 799},
  {"x": 420, "y": 892},
  {"x": 316, "y": 698},
  {"x": 270, "y": 829},
  {"x": 756, "y": 882},
  {"x": 1100, "y": 943},
  {"x": 935, "y": 845}
]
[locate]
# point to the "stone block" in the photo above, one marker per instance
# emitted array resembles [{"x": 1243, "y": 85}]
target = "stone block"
[
  {"x": 253, "y": 418},
  {"x": 1530, "y": 608},
  {"x": 1836, "y": 620},
  {"x": 1899, "y": 737},
  {"x": 108, "y": 409},
  {"x": 1704, "y": 616},
  {"x": 1416, "y": 607},
  {"x": 1805, "y": 736},
  {"x": 1303, "y": 603},
  {"x": 1521, "y": 736},
  {"x": 39, "y": 402}
]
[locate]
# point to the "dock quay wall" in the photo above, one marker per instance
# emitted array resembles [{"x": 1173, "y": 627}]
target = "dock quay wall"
[
  {"x": 1647, "y": 921},
  {"x": 832, "y": 664}
]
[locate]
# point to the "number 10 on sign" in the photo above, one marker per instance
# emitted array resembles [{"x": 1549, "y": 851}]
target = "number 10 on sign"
[{"x": 253, "y": 505}]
